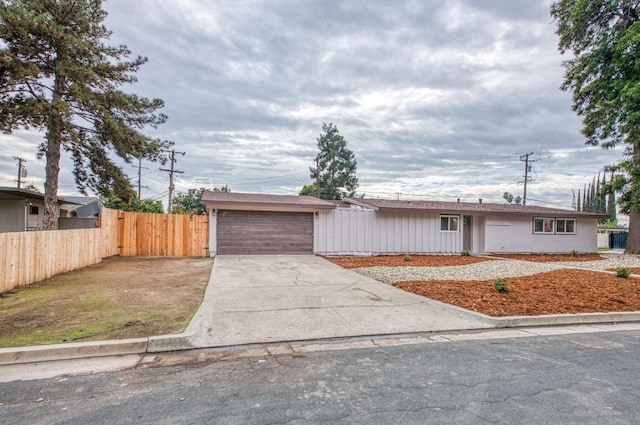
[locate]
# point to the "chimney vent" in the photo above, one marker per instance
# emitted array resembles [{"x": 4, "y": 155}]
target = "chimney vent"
[
  {"x": 458, "y": 200},
  {"x": 480, "y": 200}
]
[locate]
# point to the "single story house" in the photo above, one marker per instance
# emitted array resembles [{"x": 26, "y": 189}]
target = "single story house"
[
  {"x": 244, "y": 223},
  {"x": 23, "y": 210}
]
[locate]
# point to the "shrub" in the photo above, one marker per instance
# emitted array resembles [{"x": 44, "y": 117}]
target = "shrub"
[
  {"x": 465, "y": 253},
  {"x": 501, "y": 285},
  {"x": 407, "y": 257},
  {"x": 574, "y": 253},
  {"x": 622, "y": 272}
]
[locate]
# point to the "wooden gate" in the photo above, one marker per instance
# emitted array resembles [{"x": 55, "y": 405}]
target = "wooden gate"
[{"x": 162, "y": 235}]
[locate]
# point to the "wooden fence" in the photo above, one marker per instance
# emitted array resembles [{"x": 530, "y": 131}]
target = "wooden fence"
[
  {"x": 29, "y": 257},
  {"x": 167, "y": 235}
]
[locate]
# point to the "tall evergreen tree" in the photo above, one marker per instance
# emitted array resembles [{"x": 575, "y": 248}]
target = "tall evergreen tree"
[
  {"x": 57, "y": 75},
  {"x": 336, "y": 165},
  {"x": 579, "y": 203},
  {"x": 611, "y": 201},
  {"x": 603, "y": 38}
]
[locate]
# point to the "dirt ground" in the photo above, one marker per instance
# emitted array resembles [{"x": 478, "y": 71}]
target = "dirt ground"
[
  {"x": 556, "y": 292},
  {"x": 121, "y": 297}
]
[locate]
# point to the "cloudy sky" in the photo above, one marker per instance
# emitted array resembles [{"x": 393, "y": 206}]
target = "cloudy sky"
[{"x": 438, "y": 100}]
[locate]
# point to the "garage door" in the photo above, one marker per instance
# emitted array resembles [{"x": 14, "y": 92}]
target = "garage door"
[{"x": 264, "y": 232}]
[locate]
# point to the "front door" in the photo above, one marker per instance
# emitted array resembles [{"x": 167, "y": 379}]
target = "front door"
[{"x": 466, "y": 232}]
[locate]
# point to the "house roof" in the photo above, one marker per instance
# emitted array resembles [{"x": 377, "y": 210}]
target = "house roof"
[
  {"x": 15, "y": 193},
  {"x": 467, "y": 207},
  {"x": 258, "y": 200}
]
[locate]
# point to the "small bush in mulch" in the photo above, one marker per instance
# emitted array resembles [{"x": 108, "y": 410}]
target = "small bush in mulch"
[
  {"x": 622, "y": 272},
  {"x": 501, "y": 285}
]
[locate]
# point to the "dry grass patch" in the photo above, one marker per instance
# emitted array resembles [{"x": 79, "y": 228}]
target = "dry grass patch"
[{"x": 121, "y": 297}]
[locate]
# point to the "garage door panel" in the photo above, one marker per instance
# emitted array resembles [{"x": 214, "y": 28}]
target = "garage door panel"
[{"x": 264, "y": 232}]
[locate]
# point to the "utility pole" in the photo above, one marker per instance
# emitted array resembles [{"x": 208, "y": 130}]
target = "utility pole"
[
  {"x": 526, "y": 160},
  {"x": 171, "y": 172},
  {"x": 140, "y": 167},
  {"x": 22, "y": 172}
]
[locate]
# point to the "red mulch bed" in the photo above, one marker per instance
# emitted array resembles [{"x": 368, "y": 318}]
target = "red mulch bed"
[
  {"x": 398, "y": 261},
  {"x": 556, "y": 292},
  {"x": 548, "y": 258}
]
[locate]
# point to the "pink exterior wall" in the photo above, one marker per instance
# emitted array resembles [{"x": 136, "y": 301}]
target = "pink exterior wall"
[{"x": 515, "y": 235}]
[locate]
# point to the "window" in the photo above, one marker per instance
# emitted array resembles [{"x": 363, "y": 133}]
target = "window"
[
  {"x": 566, "y": 226},
  {"x": 543, "y": 225},
  {"x": 449, "y": 223},
  {"x": 558, "y": 226},
  {"x": 34, "y": 210}
]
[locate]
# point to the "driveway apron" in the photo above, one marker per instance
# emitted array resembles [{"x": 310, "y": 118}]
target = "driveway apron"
[{"x": 270, "y": 298}]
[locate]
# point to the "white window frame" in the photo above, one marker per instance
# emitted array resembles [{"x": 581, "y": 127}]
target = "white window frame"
[
  {"x": 544, "y": 223},
  {"x": 575, "y": 225},
  {"x": 448, "y": 229}
]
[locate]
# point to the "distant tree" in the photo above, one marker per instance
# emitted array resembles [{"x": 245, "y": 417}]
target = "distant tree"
[
  {"x": 508, "y": 197},
  {"x": 612, "y": 208},
  {"x": 31, "y": 188},
  {"x": 58, "y": 76},
  {"x": 309, "y": 190},
  {"x": 336, "y": 165},
  {"x": 191, "y": 202},
  {"x": 517, "y": 200},
  {"x": 600, "y": 197},
  {"x": 603, "y": 38},
  {"x": 133, "y": 204}
]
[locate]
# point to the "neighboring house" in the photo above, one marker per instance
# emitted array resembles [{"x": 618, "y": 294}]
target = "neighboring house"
[
  {"x": 78, "y": 212},
  {"x": 249, "y": 223},
  {"x": 22, "y": 210}
]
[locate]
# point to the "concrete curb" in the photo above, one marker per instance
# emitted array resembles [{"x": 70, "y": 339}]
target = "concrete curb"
[
  {"x": 74, "y": 350},
  {"x": 192, "y": 340}
]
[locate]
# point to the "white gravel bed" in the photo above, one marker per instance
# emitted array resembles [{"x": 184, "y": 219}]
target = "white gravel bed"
[
  {"x": 491, "y": 269},
  {"x": 610, "y": 261}
]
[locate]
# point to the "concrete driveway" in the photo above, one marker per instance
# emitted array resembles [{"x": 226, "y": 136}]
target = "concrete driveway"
[{"x": 269, "y": 298}]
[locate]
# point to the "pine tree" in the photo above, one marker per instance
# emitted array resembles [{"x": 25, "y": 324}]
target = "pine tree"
[
  {"x": 336, "y": 165},
  {"x": 58, "y": 76},
  {"x": 578, "y": 203}
]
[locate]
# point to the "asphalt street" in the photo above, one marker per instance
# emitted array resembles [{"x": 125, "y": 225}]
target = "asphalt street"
[{"x": 579, "y": 378}]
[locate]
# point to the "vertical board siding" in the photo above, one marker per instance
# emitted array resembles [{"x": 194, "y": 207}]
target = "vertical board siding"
[
  {"x": 29, "y": 257},
  {"x": 162, "y": 235},
  {"x": 367, "y": 232}
]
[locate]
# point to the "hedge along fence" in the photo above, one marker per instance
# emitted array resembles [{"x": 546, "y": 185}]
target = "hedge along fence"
[{"x": 29, "y": 257}]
